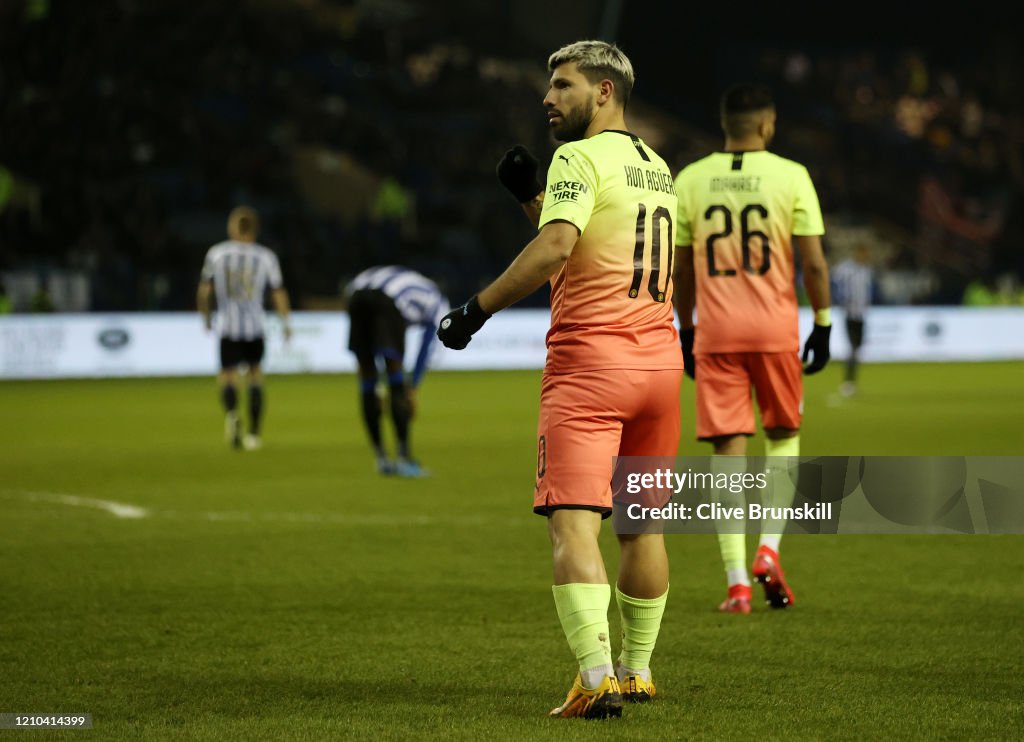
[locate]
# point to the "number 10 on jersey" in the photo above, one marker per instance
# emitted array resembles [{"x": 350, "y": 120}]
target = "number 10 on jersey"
[{"x": 659, "y": 215}]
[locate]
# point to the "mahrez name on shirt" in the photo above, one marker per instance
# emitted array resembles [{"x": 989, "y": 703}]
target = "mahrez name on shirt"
[{"x": 748, "y": 183}]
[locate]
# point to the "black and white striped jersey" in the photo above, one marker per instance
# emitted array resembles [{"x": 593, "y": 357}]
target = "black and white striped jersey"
[
  {"x": 853, "y": 284},
  {"x": 241, "y": 273}
]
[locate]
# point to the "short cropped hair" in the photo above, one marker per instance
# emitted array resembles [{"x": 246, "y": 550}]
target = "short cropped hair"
[
  {"x": 740, "y": 105},
  {"x": 246, "y": 220},
  {"x": 598, "y": 60}
]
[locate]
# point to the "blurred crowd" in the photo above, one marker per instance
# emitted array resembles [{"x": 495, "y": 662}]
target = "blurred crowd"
[
  {"x": 367, "y": 133},
  {"x": 927, "y": 147}
]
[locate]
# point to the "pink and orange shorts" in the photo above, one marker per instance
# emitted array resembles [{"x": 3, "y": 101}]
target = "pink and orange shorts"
[{"x": 588, "y": 418}]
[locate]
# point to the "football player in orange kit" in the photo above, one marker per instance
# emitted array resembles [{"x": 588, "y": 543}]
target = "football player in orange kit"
[
  {"x": 741, "y": 211},
  {"x": 612, "y": 378}
]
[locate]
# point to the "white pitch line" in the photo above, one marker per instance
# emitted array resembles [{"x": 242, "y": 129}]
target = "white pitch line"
[
  {"x": 344, "y": 519},
  {"x": 126, "y": 510},
  {"x": 117, "y": 509}
]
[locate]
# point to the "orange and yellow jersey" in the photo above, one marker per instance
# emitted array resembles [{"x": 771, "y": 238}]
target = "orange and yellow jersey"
[
  {"x": 611, "y": 303},
  {"x": 740, "y": 211}
]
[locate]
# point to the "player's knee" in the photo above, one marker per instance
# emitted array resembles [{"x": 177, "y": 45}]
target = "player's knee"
[
  {"x": 781, "y": 434},
  {"x": 567, "y": 525},
  {"x": 651, "y": 542},
  {"x": 399, "y": 392},
  {"x": 729, "y": 445}
]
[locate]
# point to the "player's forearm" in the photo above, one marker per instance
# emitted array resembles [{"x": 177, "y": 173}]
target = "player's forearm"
[
  {"x": 538, "y": 261},
  {"x": 203, "y": 300},
  {"x": 282, "y": 304},
  {"x": 426, "y": 342},
  {"x": 684, "y": 286},
  {"x": 815, "y": 270},
  {"x": 817, "y": 286}
]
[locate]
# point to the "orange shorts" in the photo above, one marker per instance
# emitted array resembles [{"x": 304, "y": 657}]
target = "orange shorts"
[
  {"x": 724, "y": 381},
  {"x": 588, "y": 418}
]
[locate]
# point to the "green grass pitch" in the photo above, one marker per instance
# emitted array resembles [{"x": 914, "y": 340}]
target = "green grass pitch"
[{"x": 291, "y": 593}]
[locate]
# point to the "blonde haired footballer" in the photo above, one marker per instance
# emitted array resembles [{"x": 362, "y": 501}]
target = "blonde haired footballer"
[
  {"x": 611, "y": 382},
  {"x": 741, "y": 211},
  {"x": 238, "y": 272}
]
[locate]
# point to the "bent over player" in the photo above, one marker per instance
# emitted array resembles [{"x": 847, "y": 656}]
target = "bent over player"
[
  {"x": 382, "y": 301},
  {"x": 740, "y": 212},
  {"x": 611, "y": 381}
]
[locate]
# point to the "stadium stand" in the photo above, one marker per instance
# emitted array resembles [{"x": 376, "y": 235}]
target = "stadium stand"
[{"x": 368, "y": 132}]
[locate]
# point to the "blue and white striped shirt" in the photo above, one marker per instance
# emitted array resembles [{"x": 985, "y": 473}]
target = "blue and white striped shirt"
[
  {"x": 241, "y": 273},
  {"x": 418, "y": 299}
]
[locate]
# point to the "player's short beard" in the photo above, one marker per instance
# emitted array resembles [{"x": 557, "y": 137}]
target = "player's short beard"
[{"x": 576, "y": 122}]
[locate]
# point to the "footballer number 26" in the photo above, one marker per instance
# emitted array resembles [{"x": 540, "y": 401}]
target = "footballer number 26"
[{"x": 746, "y": 234}]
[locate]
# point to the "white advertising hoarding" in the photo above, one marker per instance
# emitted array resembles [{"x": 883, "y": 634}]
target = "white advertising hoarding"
[{"x": 175, "y": 344}]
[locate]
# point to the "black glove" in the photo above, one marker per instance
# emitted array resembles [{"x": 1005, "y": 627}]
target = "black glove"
[
  {"x": 517, "y": 171},
  {"x": 458, "y": 326},
  {"x": 689, "y": 362},
  {"x": 817, "y": 343}
]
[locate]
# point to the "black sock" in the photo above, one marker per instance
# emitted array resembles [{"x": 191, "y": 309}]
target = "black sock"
[
  {"x": 255, "y": 409},
  {"x": 229, "y": 397},
  {"x": 401, "y": 413},
  {"x": 371, "y": 413},
  {"x": 851, "y": 369}
]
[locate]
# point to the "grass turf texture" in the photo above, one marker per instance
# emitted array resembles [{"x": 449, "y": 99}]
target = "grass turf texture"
[{"x": 292, "y": 593}]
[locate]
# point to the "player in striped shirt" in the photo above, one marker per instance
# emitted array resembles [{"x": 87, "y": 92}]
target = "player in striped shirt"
[
  {"x": 611, "y": 381},
  {"x": 382, "y": 302},
  {"x": 854, "y": 281},
  {"x": 238, "y": 272},
  {"x": 741, "y": 213}
]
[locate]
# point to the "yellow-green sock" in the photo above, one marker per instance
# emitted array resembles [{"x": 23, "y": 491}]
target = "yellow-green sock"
[
  {"x": 782, "y": 487},
  {"x": 583, "y": 613},
  {"x": 641, "y": 622},
  {"x": 734, "y": 557},
  {"x": 732, "y": 537}
]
